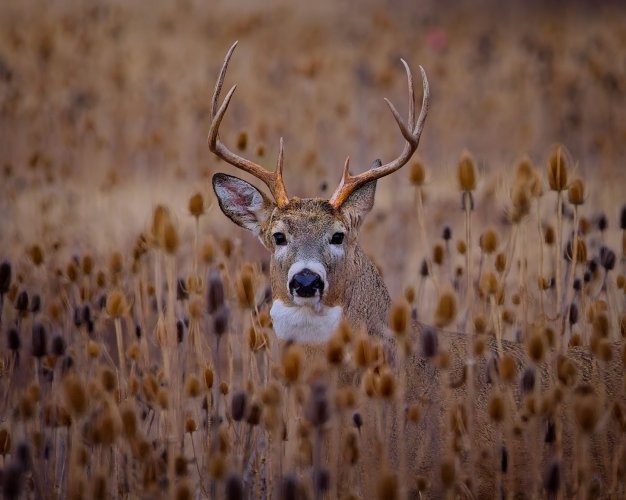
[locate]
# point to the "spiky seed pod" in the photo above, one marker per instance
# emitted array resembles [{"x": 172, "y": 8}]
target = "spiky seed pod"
[
  {"x": 549, "y": 236},
  {"x": 438, "y": 254},
  {"x": 224, "y": 388},
  {"x": 190, "y": 425},
  {"x": 334, "y": 350},
  {"x": 387, "y": 488},
  {"x": 586, "y": 411},
  {"x": 39, "y": 343},
  {"x": 489, "y": 284},
  {"x": 35, "y": 304},
  {"x": 192, "y": 387},
  {"x": 93, "y": 349},
  {"x": 399, "y": 318},
  {"x": 5, "y": 442},
  {"x": 508, "y": 368},
  {"x": 448, "y": 472},
  {"x": 430, "y": 343},
  {"x": 36, "y": 255},
  {"x": 108, "y": 379},
  {"x": 607, "y": 258},
  {"x": 446, "y": 234},
  {"x": 536, "y": 348},
  {"x": 21, "y": 303},
  {"x": 171, "y": 241},
  {"x": 129, "y": 420},
  {"x": 467, "y": 172},
  {"x": 215, "y": 291},
  {"x": 318, "y": 409},
  {"x": 196, "y": 205},
  {"x": 417, "y": 173},
  {"x": 362, "y": 348},
  {"x": 234, "y": 488},
  {"x": 496, "y": 408},
  {"x": 489, "y": 241},
  {"x": 75, "y": 395},
  {"x": 208, "y": 378},
  {"x": 254, "y": 413},
  {"x": 238, "y": 405},
  {"x": 461, "y": 247},
  {"x": 116, "y": 305},
  {"x": 557, "y": 170},
  {"x": 292, "y": 363},
  {"x": 521, "y": 200},
  {"x": 446, "y": 310},
  {"x": 414, "y": 413},
  {"x": 245, "y": 287},
  {"x": 386, "y": 384},
  {"x": 528, "y": 380},
  {"x": 5, "y": 277},
  {"x": 220, "y": 321},
  {"x": 576, "y": 192},
  {"x": 566, "y": 371},
  {"x": 14, "y": 343}
]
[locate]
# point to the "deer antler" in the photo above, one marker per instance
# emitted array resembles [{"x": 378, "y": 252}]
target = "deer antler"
[
  {"x": 273, "y": 180},
  {"x": 411, "y": 132}
]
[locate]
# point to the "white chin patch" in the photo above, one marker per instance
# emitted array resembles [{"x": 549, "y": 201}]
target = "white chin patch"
[{"x": 311, "y": 324}]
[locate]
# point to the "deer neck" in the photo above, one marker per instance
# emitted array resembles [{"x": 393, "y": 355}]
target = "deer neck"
[{"x": 363, "y": 301}]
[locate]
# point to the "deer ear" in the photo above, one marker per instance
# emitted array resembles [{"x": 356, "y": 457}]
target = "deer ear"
[
  {"x": 242, "y": 203},
  {"x": 360, "y": 202}
]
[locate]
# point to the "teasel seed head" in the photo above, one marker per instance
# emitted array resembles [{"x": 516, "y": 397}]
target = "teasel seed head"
[
  {"x": 5, "y": 277},
  {"x": 399, "y": 318},
  {"x": 196, "y": 205},
  {"x": 387, "y": 488},
  {"x": 508, "y": 368},
  {"x": 417, "y": 173},
  {"x": 292, "y": 360},
  {"x": 489, "y": 241},
  {"x": 467, "y": 172},
  {"x": 192, "y": 387},
  {"x": 576, "y": 192},
  {"x": 496, "y": 408},
  {"x": 448, "y": 472},
  {"x": 116, "y": 305},
  {"x": 446, "y": 309},
  {"x": 430, "y": 342},
  {"x": 238, "y": 405},
  {"x": 557, "y": 170},
  {"x": 234, "y": 488},
  {"x": 536, "y": 348},
  {"x": 75, "y": 395},
  {"x": 245, "y": 287},
  {"x": 39, "y": 344}
]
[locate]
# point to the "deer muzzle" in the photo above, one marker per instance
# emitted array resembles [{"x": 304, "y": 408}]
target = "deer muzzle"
[{"x": 306, "y": 283}]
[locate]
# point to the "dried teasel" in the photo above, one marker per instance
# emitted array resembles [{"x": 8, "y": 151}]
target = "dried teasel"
[
  {"x": 446, "y": 309},
  {"x": 467, "y": 172},
  {"x": 196, "y": 205},
  {"x": 399, "y": 317},
  {"x": 557, "y": 170}
]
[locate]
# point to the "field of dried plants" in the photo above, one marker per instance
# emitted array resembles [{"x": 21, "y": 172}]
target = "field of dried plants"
[{"x": 137, "y": 355}]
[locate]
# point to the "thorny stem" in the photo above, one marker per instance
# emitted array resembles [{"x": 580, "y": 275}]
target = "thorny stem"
[
  {"x": 424, "y": 235},
  {"x": 570, "y": 282}
]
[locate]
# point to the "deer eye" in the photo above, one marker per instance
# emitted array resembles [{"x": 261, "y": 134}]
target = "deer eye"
[
  {"x": 280, "y": 238},
  {"x": 337, "y": 239}
]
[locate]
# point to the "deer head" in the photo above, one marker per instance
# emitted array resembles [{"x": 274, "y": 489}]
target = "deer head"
[{"x": 318, "y": 271}]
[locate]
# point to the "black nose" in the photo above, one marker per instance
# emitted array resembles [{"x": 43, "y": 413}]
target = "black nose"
[{"x": 306, "y": 283}]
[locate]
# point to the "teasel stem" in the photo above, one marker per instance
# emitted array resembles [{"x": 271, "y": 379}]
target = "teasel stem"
[
  {"x": 563, "y": 342},
  {"x": 523, "y": 229},
  {"x": 495, "y": 317},
  {"x": 558, "y": 250},
  {"x": 424, "y": 235},
  {"x": 540, "y": 235},
  {"x": 468, "y": 253},
  {"x": 119, "y": 337}
]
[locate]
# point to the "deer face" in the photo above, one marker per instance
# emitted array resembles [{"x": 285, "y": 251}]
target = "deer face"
[{"x": 311, "y": 241}]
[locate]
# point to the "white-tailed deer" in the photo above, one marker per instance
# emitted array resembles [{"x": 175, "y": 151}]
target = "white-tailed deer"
[{"x": 318, "y": 271}]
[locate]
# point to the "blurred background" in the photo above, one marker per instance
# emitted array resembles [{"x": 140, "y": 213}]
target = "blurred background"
[{"x": 104, "y": 108}]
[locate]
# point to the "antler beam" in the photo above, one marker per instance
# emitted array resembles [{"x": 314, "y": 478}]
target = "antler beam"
[
  {"x": 273, "y": 180},
  {"x": 411, "y": 131}
]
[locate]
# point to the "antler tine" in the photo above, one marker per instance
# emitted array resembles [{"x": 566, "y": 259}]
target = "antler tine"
[
  {"x": 411, "y": 131},
  {"x": 273, "y": 180}
]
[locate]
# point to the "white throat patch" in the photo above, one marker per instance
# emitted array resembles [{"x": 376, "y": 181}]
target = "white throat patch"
[{"x": 305, "y": 324}]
